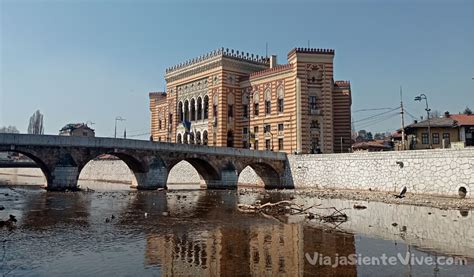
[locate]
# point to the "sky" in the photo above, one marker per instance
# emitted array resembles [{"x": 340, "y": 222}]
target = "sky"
[{"x": 80, "y": 61}]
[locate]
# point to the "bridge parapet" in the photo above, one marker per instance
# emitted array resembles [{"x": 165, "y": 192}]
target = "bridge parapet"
[
  {"x": 100, "y": 142},
  {"x": 62, "y": 158}
]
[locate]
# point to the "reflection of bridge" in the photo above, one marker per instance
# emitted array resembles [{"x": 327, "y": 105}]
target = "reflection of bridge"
[{"x": 62, "y": 158}]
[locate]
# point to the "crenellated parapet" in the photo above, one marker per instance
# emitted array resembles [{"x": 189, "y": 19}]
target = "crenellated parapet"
[
  {"x": 221, "y": 52},
  {"x": 342, "y": 84},
  {"x": 311, "y": 51}
]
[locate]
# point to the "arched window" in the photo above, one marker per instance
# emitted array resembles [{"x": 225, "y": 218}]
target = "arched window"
[
  {"x": 206, "y": 107},
  {"x": 198, "y": 137},
  {"x": 159, "y": 124},
  {"x": 255, "y": 103},
  {"x": 185, "y": 138},
  {"x": 180, "y": 111},
  {"x": 191, "y": 138},
  {"x": 214, "y": 106},
  {"x": 230, "y": 138},
  {"x": 193, "y": 109},
  {"x": 186, "y": 110},
  {"x": 214, "y": 110},
  {"x": 199, "y": 109},
  {"x": 281, "y": 95},
  {"x": 268, "y": 103},
  {"x": 230, "y": 105},
  {"x": 179, "y": 140},
  {"x": 204, "y": 138},
  {"x": 245, "y": 105}
]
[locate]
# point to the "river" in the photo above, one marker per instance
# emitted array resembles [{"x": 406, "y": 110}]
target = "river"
[{"x": 116, "y": 231}]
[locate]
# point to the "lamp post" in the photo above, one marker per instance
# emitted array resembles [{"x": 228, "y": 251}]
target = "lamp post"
[
  {"x": 427, "y": 109},
  {"x": 117, "y": 118}
]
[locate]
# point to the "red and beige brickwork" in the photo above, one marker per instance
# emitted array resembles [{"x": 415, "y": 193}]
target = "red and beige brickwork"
[{"x": 239, "y": 100}]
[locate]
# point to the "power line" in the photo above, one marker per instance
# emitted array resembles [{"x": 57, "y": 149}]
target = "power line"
[
  {"x": 139, "y": 130},
  {"x": 376, "y": 109},
  {"x": 375, "y": 115},
  {"x": 378, "y": 120},
  {"x": 140, "y": 135},
  {"x": 411, "y": 115}
]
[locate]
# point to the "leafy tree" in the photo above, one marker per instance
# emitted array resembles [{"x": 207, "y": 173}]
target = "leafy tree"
[
  {"x": 467, "y": 111},
  {"x": 363, "y": 134},
  {"x": 9, "y": 129},
  {"x": 370, "y": 136},
  {"x": 379, "y": 136},
  {"x": 36, "y": 124}
]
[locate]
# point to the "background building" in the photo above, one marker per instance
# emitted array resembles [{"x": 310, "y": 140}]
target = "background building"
[
  {"x": 235, "y": 99},
  {"x": 77, "y": 130},
  {"x": 445, "y": 130}
]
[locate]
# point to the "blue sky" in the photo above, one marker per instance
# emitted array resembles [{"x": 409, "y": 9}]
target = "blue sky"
[{"x": 95, "y": 60}]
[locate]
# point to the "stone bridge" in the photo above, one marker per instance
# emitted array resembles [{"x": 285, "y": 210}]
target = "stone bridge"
[{"x": 61, "y": 158}]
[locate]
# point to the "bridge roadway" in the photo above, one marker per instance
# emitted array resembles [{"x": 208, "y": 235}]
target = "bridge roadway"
[{"x": 61, "y": 158}]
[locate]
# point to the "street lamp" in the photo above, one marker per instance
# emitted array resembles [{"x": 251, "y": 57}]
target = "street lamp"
[
  {"x": 423, "y": 97},
  {"x": 118, "y": 118}
]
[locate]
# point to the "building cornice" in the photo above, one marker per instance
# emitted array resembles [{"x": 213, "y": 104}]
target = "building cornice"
[{"x": 213, "y": 56}]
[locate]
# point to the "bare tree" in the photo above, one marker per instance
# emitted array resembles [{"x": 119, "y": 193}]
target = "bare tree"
[
  {"x": 467, "y": 111},
  {"x": 9, "y": 129},
  {"x": 435, "y": 114},
  {"x": 36, "y": 124}
]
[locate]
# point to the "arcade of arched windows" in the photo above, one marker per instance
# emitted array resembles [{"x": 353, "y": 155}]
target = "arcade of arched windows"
[
  {"x": 196, "y": 108},
  {"x": 198, "y": 137}
]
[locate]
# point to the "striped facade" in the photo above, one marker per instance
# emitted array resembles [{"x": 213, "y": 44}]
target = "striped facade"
[{"x": 239, "y": 100}]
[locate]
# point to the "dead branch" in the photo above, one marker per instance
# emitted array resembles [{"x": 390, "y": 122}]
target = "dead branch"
[{"x": 272, "y": 210}]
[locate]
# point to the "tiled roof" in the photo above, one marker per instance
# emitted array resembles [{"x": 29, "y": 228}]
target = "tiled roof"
[
  {"x": 442, "y": 122},
  {"x": 73, "y": 126},
  {"x": 370, "y": 144},
  {"x": 275, "y": 69},
  {"x": 463, "y": 119}
]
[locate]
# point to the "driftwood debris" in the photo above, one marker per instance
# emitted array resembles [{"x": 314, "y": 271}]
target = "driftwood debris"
[{"x": 286, "y": 207}]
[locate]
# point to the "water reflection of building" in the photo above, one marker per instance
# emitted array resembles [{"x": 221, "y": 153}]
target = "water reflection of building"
[
  {"x": 185, "y": 254},
  {"x": 276, "y": 250},
  {"x": 259, "y": 250},
  {"x": 331, "y": 244}
]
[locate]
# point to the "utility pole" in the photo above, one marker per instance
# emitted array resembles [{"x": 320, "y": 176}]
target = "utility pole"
[
  {"x": 403, "y": 120},
  {"x": 120, "y": 119}
]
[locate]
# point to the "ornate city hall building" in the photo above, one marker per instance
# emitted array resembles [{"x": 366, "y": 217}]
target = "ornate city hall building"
[{"x": 235, "y": 99}]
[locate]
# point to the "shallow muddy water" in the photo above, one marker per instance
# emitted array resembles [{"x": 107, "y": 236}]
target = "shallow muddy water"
[{"x": 201, "y": 233}]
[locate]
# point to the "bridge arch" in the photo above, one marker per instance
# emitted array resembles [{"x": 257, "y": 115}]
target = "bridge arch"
[
  {"x": 37, "y": 160},
  {"x": 209, "y": 175},
  {"x": 270, "y": 177},
  {"x": 145, "y": 173}
]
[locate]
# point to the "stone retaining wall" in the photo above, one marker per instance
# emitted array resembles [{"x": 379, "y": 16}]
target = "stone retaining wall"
[{"x": 440, "y": 171}]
